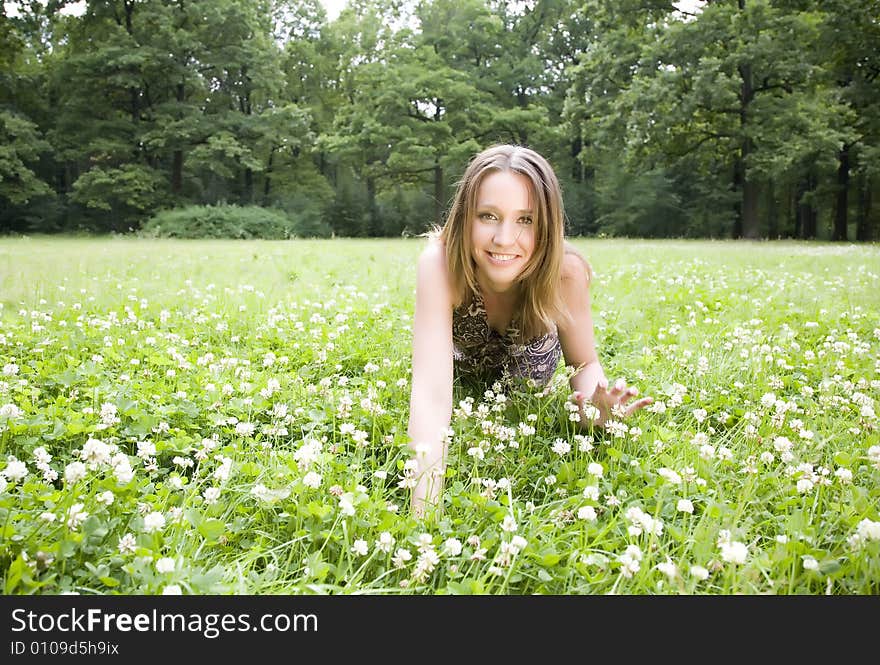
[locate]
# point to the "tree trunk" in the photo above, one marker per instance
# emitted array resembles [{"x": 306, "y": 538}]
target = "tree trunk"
[
  {"x": 177, "y": 157},
  {"x": 577, "y": 166},
  {"x": 806, "y": 213},
  {"x": 372, "y": 217},
  {"x": 248, "y": 194},
  {"x": 267, "y": 183},
  {"x": 772, "y": 219},
  {"x": 840, "y": 212},
  {"x": 749, "y": 209},
  {"x": 864, "y": 232},
  {"x": 737, "y": 187}
]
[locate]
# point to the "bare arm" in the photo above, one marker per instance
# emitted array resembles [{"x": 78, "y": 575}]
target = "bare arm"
[
  {"x": 430, "y": 407},
  {"x": 579, "y": 349}
]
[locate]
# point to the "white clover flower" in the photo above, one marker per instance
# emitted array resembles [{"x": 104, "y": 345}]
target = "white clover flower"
[
  {"x": 865, "y": 530},
  {"x": 385, "y": 542},
  {"x": 700, "y": 439},
  {"x": 41, "y": 456},
  {"x": 154, "y": 521},
  {"x": 360, "y": 547},
  {"x": 587, "y": 513},
  {"x": 782, "y": 445},
  {"x": 595, "y": 469},
  {"x": 308, "y": 453},
  {"x": 172, "y": 590},
  {"x": 843, "y": 474},
  {"x": 244, "y": 429},
  {"x": 147, "y": 449},
  {"x": 312, "y": 479},
  {"x": 734, "y": 552},
  {"x": 95, "y": 453},
  {"x": 685, "y": 506},
  {"x": 561, "y": 447},
  {"x": 221, "y": 473},
  {"x": 211, "y": 494},
  {"x": 15, "y": 470},
  {"x": 669, "y": 476},
  {"x": 346, "y": 504},
  {"x": 184, "y": 462},
  {"x": 591, "y": 493},
  {"x": 641, "y": 521},
  {"x": 452, "y": 547},
  {"x": 165, "y": 565},
  {"x": 401, "y": 556},
  {"x": 629, "y": 561},
  {"x": 699, "y": 572},
  {"x": 122, "y": 470},
  {"x": 106, "y": 498},
  {"x": 476, "y": 452},
  {"x": 668, "y": 568},
  {"x": 74, "y": 472},
  {"x": 10, "y": 412},
  {"x": 810, "y": 563},
  {"x": 508, "y": 524},
  {"x": 3, "y": 483},
  {"x": 127, "y": 544},
  {"x": 76, "y": 516},
  {"x": 519, "y": 542},
  {"x": 804, "y": 485}
]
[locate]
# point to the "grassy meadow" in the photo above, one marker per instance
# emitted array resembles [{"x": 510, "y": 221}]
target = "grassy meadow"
[{"x": 230, "y": 417}]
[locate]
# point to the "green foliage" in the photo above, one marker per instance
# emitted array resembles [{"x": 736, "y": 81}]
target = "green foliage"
[
  {"x": 226, "y": 221},
  {"x": 756, "y": 118},
  {"x": 20, "y": 147}
]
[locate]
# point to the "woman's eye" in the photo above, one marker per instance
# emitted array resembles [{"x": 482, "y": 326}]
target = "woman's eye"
[
  {"x": 488, "y": 216},
  {"x": 525, "y": 220}
]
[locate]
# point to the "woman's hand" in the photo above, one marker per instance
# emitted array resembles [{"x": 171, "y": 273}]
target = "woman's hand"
[{"x": 611, "y": 403}]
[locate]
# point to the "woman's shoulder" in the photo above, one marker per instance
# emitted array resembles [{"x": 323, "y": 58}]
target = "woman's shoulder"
[
  {"x": 433, "y": 273},
  {"x": 433, "y": 257},
  {"x": 574, "y": 266}
]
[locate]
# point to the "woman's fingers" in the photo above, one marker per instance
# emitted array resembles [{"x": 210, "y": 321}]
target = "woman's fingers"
[
  {"x": 639, "y": 404},
  {"x": 628, "y": 394}
]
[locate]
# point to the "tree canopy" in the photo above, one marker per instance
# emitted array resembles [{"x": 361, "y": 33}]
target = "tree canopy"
[{"x": 742, "y": 118}]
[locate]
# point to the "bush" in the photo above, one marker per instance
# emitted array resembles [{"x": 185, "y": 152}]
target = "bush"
[{"x": 221, "y": 221}]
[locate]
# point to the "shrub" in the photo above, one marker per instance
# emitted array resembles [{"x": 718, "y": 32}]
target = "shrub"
[{"x": 221, "y": 221}]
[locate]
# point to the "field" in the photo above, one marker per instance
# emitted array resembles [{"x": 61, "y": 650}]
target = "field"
[{"x": 230, "y": 417}]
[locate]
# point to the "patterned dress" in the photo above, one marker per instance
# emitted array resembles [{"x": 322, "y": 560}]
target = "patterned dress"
[{"x": 482, "y": 355}]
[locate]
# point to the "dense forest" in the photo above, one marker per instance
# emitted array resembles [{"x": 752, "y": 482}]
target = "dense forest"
[{"x": 742, "y": 118}]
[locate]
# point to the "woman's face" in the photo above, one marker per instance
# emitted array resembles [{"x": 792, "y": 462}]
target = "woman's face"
[{"x": 502, "y": 231}]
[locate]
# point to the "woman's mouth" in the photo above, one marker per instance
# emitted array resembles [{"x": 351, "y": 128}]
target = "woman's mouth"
[{"x": 501, "y": 258}]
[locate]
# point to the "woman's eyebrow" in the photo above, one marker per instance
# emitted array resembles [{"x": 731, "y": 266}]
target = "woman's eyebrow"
[{"x": 492, "y": 206}]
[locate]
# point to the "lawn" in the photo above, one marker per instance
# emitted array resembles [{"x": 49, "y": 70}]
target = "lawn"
[{"x": 230, "y": 417}]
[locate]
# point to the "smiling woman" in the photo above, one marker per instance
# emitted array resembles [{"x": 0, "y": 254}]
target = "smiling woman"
[{"x": 501, "y": 296}]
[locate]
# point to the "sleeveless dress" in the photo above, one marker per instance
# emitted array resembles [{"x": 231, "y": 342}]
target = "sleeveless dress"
[{"x": 482, "y": 355}]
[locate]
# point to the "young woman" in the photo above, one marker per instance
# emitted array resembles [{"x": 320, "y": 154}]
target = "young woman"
[{"x": 499, "y": 292}]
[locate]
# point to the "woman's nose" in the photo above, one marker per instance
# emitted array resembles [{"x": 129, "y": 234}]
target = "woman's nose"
[{"x": 505, "y": 234}]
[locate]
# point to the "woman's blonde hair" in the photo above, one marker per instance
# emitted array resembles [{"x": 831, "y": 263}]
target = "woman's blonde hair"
[{"x": 541, "y": 302}]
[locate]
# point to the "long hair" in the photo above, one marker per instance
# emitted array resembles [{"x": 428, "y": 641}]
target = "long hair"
[{"x": 540, "y": 302}]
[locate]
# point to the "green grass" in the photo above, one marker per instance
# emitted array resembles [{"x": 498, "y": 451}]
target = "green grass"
[{"x": 230, "y": 417}]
